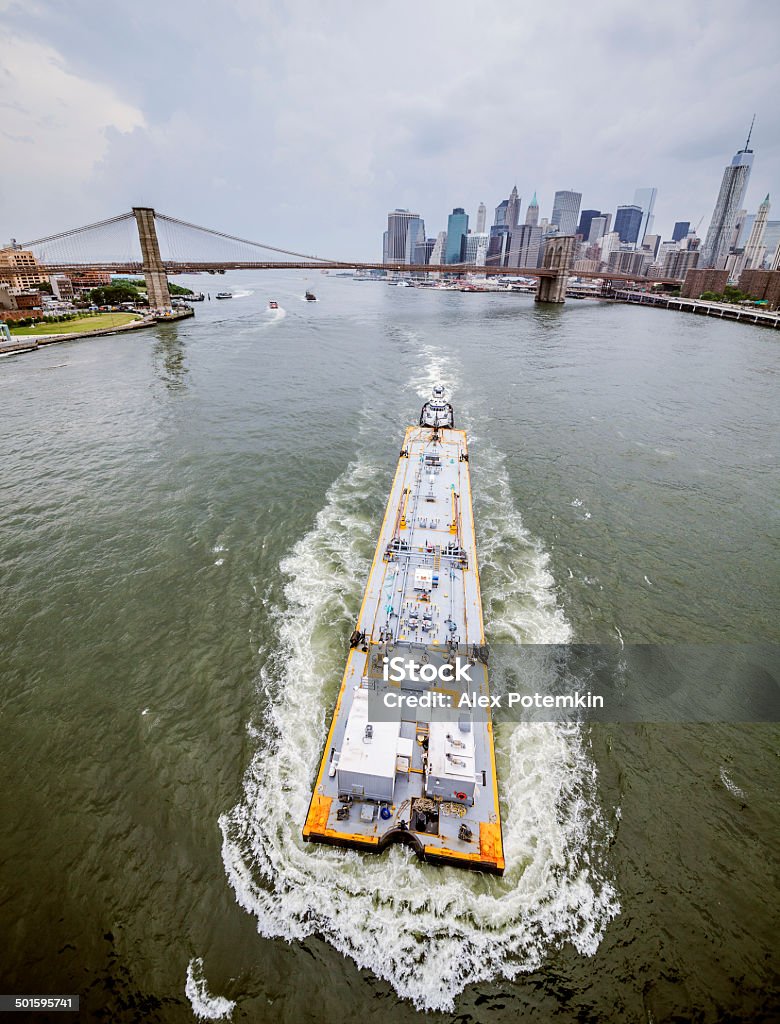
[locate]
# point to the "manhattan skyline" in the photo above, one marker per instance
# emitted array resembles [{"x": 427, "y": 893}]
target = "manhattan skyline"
[{"x": 280, "y": 125}]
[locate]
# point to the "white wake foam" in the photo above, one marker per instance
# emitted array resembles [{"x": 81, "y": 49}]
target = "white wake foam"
[
  {"x": 730, "y": 785},
  {"x": 204, "y": 1005},
  {"x": 434, "y": 366},
  {"x": 429, "y": 931}
]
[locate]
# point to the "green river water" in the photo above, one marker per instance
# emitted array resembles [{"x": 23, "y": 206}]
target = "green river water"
[{"x": 187, "y": 518}]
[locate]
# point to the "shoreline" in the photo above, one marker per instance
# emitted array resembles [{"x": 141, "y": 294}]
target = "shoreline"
[
  {"x": 32, "y": 344},
  {"x": 719, "y": 310}
]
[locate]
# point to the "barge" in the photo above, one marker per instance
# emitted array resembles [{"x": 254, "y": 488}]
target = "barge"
[{"x": 409, "y": 757}]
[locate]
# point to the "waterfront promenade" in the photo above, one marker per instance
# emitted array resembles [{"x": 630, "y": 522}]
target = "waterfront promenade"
[{"x": 721, "y": 310}]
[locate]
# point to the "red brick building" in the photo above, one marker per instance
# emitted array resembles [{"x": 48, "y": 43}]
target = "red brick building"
[
  {"x": 83, "y": 279},
  {"x": 762, "y": 284},
  {"x": 699, "y": 281}
]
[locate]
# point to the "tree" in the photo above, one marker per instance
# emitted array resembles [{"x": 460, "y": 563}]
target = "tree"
[{"x": 112, "y": 294}]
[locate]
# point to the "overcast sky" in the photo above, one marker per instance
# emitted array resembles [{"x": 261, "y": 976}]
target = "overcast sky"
[{"x": 302, "y": 123}]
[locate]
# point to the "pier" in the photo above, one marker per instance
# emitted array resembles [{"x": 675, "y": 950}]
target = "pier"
[{"x": 721, "y": 310}]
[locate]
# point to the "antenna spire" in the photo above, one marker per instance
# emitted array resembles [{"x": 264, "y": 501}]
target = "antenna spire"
[{"x": 747, "y": 144}]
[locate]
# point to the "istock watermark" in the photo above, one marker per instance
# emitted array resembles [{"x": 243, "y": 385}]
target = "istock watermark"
[
  {"x": 652, "y": 683},
  {"x": 400, "y": 669},
  {"x": 472, "y": 701}
]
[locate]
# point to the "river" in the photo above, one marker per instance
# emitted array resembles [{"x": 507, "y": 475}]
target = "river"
[{"x": 188, "y": 516}]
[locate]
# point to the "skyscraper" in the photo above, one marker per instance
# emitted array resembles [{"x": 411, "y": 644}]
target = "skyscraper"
[
  {"x": 566, "y": 209},
  {"x": 481, "y": 215},
  {"x": 532, "y": 213},
  {"x": 729, "y": 201},
  {"x": 415, "y": 235},
  {"x": 457, "y": 228},
  {"x": 645, "y": 199},
  {"x": 772, "y": 236},
  {"x": 396, "y": 246},
  {"x": 586, "y": 219},
  {"x": 743, "y": 225},
  {"x": 776, "y": 260},
  {"x": 628, "y": 221},
  {"x": 609, "y": 242},
  {"x": 678, "y": 262},
  {"x": 501, "y": 213},
  {"x": 423, "y": 250},
  {"x": 754, "y": 250},
  {"x": 475, "y": 246},
  {"x": 498, "y": 245},
  {"x": 437, "y": 253},
  {"x": 524, "y": 246},
  {"x": 681, "y": 229},
  {"x": 598, "y": 227},
  {"x": 513, "y": 209}
]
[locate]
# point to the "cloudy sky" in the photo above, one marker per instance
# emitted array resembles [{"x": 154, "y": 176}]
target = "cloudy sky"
[{"x": 301, "y": 123}]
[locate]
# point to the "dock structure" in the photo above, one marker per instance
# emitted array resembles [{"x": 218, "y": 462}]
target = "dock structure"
[
  {"x": 722, "y": 310},
  {"x": 409, "y": 755}
]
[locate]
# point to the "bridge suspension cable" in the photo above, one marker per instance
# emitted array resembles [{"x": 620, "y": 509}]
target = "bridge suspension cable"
[
  {"x": 74, "y": 231},
  {"x": 171, "y": 241},
  {"x": 114, "y": 239}
]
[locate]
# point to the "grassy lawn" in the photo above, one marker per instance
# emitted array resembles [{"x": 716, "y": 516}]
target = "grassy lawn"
[{"x": 98, "y": 322}]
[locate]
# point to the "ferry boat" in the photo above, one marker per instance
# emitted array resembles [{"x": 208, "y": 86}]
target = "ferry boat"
[
  {"x": 409, "y": 755},
  {"x": 224, "y": 295}
]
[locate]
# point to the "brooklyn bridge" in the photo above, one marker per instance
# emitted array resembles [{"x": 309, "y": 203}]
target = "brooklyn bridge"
[{"x": 156, "y": 245}]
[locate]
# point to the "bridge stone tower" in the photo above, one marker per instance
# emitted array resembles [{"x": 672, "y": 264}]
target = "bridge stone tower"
[
  {"x": 558, "y": 256},
  {"x": 154, "y": 271}
]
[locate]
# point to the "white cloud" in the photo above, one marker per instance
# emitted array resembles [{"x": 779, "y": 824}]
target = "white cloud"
[
  {"x": 53, "y": 126},
  {"x": 302, "y": 124}
]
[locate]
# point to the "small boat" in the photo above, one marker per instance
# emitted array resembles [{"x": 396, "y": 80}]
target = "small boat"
[
  {"x": 273, "y": 305},
  {"x": 310, "y": 296},
  {"x": 224, "y": 295}
]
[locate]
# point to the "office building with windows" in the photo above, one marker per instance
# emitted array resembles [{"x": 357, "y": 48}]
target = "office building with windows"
[
  {"x": 755, "y": 249},
  {"x": 645, "y": 198},
  {"x": 524, "y": 245},
  {"x": 681, "y": 229},
  {"x": 475, "y": 249},
  {"x": 481, "y": 215},
  {"x": 566, "y": 210},
  {"x": 628, "y": 221},
  {"x": 532, "y": 213},
  {"x": 729, "y": 202},
  {"x": 457, "y": 229},
  {"x": 403, "y": 233},
  {"x": 586, "y": 219}
]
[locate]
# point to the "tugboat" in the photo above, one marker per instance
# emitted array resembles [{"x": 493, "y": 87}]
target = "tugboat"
[
  {"x": 409, "y": 757},
  {"x": 310, "y": 296},
  {"x": 437, "y": 411},
  {"x": 224, "y": 295},
  {"x": 272, "y": 304}
]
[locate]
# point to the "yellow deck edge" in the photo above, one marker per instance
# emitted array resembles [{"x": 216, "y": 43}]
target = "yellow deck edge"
[{"x": 315, "y": 828}]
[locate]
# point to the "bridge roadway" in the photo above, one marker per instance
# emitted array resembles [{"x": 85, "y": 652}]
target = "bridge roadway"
[{"x": 190, "y": 267}]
